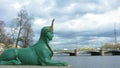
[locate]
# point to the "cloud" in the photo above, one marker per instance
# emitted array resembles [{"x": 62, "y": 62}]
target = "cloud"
[
  {"x": 89, "y": 29},
  {"x": 78, "y": 22},
  {"x": 38, "y": 23},
  {"x": 17, "y": 6},
  {"x": 92, "y": 21}
]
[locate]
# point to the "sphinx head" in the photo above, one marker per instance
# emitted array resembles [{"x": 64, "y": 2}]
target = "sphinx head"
[{"x": 47, "y": 32}]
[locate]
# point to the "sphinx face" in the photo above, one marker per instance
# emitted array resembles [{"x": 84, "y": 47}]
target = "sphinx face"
[
  {"x": 47, "y": 33},
  {"x": 50, "y": 35}
]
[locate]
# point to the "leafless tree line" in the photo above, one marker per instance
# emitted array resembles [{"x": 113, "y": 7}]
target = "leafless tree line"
[{"x": 20, "y": 30}]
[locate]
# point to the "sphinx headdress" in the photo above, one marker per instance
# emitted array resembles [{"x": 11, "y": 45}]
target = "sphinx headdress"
[{"x": 52, "y": 24}]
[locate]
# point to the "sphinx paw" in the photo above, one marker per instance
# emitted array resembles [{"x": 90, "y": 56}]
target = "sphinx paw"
[{"x": 65, "y": 64}]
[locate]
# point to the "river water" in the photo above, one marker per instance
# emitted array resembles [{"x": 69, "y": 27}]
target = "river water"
[{"x": 90, "y": 61}]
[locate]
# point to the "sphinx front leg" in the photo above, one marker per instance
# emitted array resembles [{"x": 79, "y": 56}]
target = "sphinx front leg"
[
  {"x": 56, "y": 63},
  {"x": 48, "y": 62},
  {"x": 10, "y": 62},
  {"x": 45, "y": 60}
]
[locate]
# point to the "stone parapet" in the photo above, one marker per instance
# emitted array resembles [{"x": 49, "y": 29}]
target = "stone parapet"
[{"x": 30, "y": 66}]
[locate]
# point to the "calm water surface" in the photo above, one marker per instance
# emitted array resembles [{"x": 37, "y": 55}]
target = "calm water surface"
[{"x": 90, "y": 61}]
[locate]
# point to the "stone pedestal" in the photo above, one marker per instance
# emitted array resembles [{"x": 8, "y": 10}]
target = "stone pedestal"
[{"x": 28, "y": 66}]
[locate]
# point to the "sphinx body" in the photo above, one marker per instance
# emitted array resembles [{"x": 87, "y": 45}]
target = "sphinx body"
[{"x": 38, "y": 54}]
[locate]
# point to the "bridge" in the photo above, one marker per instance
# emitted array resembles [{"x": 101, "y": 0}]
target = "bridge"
[
  {"x": 100, "y": 52},
  {"x": 105, "y": 52},
  {"x": 70, "y": 52}
]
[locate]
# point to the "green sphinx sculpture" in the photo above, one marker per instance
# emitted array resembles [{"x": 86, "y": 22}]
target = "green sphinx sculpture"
[{"x": 38, "y": 54}]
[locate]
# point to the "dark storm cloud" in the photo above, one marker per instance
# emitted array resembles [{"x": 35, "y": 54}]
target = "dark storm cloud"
[{"x": 72, "y": 34}]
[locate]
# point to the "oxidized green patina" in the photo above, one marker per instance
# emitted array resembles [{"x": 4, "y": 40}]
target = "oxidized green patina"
[{"x": 38, "y": 54}]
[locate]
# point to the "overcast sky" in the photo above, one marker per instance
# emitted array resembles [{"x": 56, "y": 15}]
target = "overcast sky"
[{"x": 78, "y": 23}]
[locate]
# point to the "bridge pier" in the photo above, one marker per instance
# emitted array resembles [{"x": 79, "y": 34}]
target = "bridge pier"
[
  {"x": 76, "y": 53},
  {"x": 102, "y": 52}
]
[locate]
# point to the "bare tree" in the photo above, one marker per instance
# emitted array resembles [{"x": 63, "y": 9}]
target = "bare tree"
[
  {"x": 24, "y": 28},
  {"x": 2, "y": 33},
  {"x": 27, "y": 35},
  {"x": 108, "y": 46},
  {"x": 12, "y": 34},
  {"x": 3, "y": 36}
]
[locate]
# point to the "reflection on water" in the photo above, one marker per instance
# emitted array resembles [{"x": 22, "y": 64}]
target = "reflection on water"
[{"x": 90, "y": 61}]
